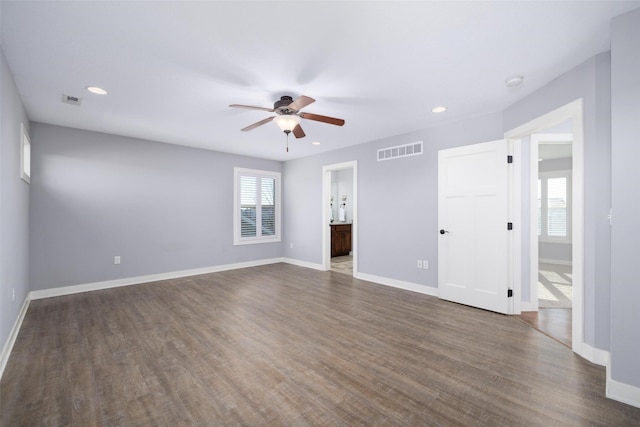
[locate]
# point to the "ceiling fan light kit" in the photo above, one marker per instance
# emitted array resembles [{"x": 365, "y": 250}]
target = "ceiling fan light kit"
[
  {"x": 287, "y": 123},
  {"x": 289, "y": 115}
]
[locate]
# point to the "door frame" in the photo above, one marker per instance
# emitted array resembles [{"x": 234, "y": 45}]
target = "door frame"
[
  {"x": 534, "y": 142},
  {"x": 574, "y": 112},
  {"x": 326, "y": 200}
]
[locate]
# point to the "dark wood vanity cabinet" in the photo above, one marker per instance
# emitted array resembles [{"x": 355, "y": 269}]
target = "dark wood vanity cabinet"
[{"x": 340, "y": 239}]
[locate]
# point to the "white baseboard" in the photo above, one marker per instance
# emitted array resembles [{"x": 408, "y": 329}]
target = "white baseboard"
[
  {"x": 622, "y": 392},
  {"x": 414, "y": 287},
  {"x": 303, "y": 264},
  {"x": 615, "y": 390},
  {"x": 594, "y": 355},
  {"x": 75, "y": 289},
  {"x": 13, "y": 334},
  {"x": 554, "y": 261}
]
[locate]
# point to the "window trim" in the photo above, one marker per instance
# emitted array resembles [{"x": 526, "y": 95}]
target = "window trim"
[
  {"x": 546, "y": 175},
  {"x": 237, "y": 235},
  {"x": 25, "y": 154}
]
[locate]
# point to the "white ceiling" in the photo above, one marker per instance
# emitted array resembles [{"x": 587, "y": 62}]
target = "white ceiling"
[{"x": 173, "y": 68}]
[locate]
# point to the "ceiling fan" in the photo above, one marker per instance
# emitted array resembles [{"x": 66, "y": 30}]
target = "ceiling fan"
[{"x": 289, "y": 114}]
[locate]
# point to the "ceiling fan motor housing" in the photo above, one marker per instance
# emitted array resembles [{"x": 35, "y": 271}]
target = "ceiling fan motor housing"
[{"x": 282, "y": 106}]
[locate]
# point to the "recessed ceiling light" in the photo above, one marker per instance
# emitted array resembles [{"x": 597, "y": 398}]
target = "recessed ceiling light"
[
  {"x": 439, "y": 109},
  {"x": 97, "y": 90},
  {"x": 315, "y": 143},
  {"x": 513, "y": 81}
]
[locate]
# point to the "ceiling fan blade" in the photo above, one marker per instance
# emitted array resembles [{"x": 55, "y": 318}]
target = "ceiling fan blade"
[
  {"x": 260, "y": 123},
  {"x": 301, "y": 102},
  {"x": 251, "y": 107},
  {"x": 324, "y": 119},
  {"x": 298, "y": 132}
]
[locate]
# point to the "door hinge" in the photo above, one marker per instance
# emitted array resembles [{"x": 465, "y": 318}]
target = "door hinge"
[
  {"x": 509, "y": 159},
  {"x": 509, "y": 293},
  {"x": 509, "y": 226}
]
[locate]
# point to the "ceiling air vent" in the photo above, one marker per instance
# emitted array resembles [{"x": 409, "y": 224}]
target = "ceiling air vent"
[
  {"x": 73, "y": 100},
  {"x": 411, "y": 149}
]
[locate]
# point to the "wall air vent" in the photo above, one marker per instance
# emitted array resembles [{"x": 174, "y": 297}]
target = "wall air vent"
[
  {"x": 73, "y": 100},
  {"x": 411, "y": 149}
]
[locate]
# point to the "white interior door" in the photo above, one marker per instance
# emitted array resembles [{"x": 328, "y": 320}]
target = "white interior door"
[{"x": 473, "y": 210}]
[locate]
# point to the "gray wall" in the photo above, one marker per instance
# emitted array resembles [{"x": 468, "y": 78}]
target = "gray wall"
[
  {"x": 397, "y": 201},
  {"x": 161, "y": 207},
  {"x": 625, "y": 237},
  {"x": 590, "y": 81},
  {"x": 14, "y": 205}
]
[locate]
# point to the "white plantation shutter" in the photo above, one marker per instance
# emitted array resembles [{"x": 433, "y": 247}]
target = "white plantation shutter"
[
  {"x": 554, "y": 206},
  {"x": 256, "y": 206},
  {"x": 248, "y": 206},
  {"x": 557, "y": 207},
  {"x": 268, "y": 198}
]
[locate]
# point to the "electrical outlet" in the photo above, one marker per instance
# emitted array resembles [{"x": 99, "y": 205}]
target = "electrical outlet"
[
  {"x": 419, "y": 263},
  {"x": 291, "y": 245},
  {"x": 116, "y": 259},
  {"x": 425, "y": 264}
]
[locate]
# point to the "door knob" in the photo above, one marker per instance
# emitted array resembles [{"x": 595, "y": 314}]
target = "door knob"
[{"x": 443, "y": 231}]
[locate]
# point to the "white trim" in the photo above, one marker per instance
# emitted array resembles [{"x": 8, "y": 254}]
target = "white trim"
[
  {"x": 75, "y": 289},
  {"x": 595, "y": 355},
  {"x": 554, "y": 261},
  {"x": 574, "y": 112},
  {"x": 515, "y": 206},
  {"x": 622, "y": 392},
  {"x": 305, "y": 264},
  {"x": 13, "y": 335},
  {"x": 407, "y": 286},
  {"x": 534, "y": 241},
  {"x": 326, "y": 200},
  {"x": 528, "y": 306}
]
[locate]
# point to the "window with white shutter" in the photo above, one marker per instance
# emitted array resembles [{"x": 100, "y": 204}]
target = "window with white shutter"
[
  {"x": 256, "y": 206},
  {"x": 554, "y": 206}
]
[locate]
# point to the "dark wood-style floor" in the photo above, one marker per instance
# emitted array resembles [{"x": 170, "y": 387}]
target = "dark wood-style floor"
[
  {"x": 285, "y": 345},
  {"x": 554, "y": 322}
]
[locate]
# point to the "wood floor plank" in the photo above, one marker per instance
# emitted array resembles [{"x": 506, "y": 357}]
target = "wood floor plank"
[{"x": 284, "y": 345}]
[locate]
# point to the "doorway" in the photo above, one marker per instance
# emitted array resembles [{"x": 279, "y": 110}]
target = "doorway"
[
  {"x": 551, "y": 266},
  {"x": 537, "y": 134},
  {"x": 339, "y": 218}
]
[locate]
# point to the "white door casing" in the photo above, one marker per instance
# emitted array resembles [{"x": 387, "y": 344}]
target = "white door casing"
[{"x": 473, "y": 212}]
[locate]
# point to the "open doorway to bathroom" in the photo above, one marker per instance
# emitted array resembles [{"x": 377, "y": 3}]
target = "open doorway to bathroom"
[
  {"x": 340, "y": 218},
  {"x": 341, "y": 221}
]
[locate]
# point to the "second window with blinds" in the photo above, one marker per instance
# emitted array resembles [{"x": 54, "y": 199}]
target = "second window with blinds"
[
  {"x": 554, "y": 206},
  {"x": 256, "y": 217}
]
